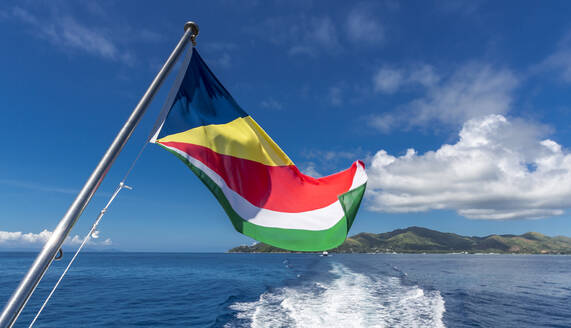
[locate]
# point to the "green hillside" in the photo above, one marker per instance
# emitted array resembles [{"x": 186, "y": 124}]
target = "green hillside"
[{"x": 422, "y": 240}]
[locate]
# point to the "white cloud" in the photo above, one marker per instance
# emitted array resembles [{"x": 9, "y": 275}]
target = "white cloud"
[
  {"x": 560, "y": 61},
  {"x": 19, "y": 239},
  {"x": 310, "y": 169},
  {"x": 36, "y": 187},
  {"x": 386, "y": 122},
  {"x": 497, "y": 170},
  {"x": 148, "y": 35},
  {"x": 330, "y": 155},
  {"x": 271, "y": 103},
  {"x": 389, "y": 80},
  {"x": 25, "y": 16},
  {"x": 44, "y": 188},
  {"x": 223, "y": 61},
  {"x": 471, "y": 91},
  {"x": 310, "y": 35},
  {"x": 325, "y": 162},
  {"x": 317, "y": 34},
  {"x": 322, "y": 31},
  {"x": 424, "y": 75},
  {"x": 363, "y": 27},
  {"x": 459, "y": 8},
  {"x": 67, "y": 32},
  {"x": 4, "y": 15},
  {"x": 219, "y": 53},
  {"x": 58, "y": 26},
  {"x": 219, "y": 46},
  {"x": 334, "y": 96}
]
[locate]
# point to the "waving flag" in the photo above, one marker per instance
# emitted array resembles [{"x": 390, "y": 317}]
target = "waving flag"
[{"x": 264, "y": 194}]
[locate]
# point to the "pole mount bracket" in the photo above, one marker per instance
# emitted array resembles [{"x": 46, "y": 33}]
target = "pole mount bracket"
[{"x": 194, "y": 31}]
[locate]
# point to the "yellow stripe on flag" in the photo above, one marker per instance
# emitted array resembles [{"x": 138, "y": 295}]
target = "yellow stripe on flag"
[{"x": 242, "y": 138}]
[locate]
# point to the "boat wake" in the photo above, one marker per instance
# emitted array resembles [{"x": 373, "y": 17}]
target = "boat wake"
[{"x": 349, "y": 300}]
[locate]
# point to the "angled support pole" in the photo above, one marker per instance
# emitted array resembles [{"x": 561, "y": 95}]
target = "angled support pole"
[{"x": 20, "y": 297}]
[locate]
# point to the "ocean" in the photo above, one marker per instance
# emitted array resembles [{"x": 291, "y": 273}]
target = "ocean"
[{"x": 298, "y": 290}]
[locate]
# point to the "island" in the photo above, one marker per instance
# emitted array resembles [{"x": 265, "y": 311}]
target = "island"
[{"x": 423, "y": 240}]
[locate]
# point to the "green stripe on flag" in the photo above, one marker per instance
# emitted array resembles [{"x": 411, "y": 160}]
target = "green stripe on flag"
[{"x": 350, "y": 202}]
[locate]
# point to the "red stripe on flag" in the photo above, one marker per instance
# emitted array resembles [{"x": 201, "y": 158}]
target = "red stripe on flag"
[{"x": 277, "y": 188}]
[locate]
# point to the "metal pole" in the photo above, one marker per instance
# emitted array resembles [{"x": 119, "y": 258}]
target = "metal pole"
[{"x": 21, "y": 295}]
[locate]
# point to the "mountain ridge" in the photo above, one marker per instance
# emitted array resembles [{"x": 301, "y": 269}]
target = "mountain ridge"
[{"x": 423, "y": 240}]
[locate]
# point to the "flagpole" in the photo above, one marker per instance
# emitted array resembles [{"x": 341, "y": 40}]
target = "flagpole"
[{"x": 20, "y": 297}]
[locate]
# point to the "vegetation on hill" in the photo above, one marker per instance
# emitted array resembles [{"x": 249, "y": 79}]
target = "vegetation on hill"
[{"x": 422, "y": 240}]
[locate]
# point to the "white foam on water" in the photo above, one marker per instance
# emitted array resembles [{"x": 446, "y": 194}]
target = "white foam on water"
[{"x": 350, "y": 300}]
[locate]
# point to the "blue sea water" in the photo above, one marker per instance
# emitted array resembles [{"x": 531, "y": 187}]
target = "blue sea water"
[{"x": 298, "y": 290}]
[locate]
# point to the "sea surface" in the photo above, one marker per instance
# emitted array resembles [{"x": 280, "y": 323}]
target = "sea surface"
[{"x": 298, "y": 290}]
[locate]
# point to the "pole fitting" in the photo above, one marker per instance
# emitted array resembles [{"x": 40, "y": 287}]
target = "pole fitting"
[{"x": 194, "y": 31}]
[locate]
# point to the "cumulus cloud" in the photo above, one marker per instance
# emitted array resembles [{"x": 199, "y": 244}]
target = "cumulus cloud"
[
  {"x": 363, "y": 27},
  {"x": 473, "y": 90},
  {"x": 19, "y": 239},
  {"x": 498, "y": 169}
]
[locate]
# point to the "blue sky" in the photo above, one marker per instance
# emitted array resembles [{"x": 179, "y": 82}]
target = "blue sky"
[{"x": 459, "y": 109}]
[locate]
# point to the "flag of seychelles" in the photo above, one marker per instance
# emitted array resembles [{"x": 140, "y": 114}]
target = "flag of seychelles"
[{"x": 263, "y": 193}]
